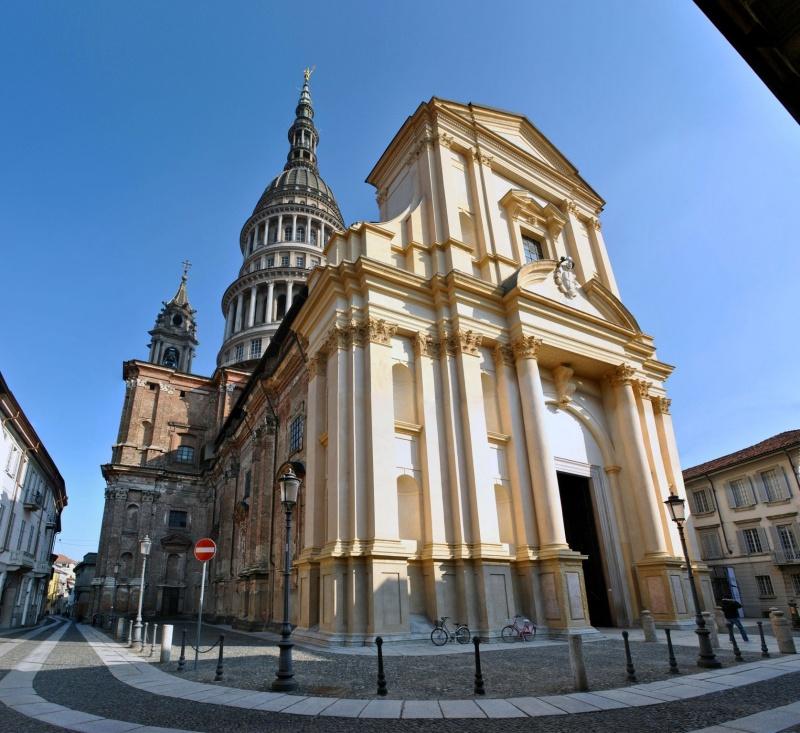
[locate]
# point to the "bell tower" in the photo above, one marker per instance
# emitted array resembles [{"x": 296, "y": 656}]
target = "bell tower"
[{"x": 174, "y": 335}]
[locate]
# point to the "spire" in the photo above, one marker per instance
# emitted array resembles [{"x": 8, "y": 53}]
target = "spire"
[
  {"x": 303, "y": 136},
  {"x": 180, "y": 297}
]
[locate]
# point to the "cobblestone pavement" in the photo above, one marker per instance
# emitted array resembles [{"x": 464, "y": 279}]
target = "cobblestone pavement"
[
  {"x": 74, "y": 676},
  {"x": 509, "y": 670}
]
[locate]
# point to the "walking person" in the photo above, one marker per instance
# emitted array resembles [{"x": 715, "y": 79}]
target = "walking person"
[{"x": 730, "y": 608}]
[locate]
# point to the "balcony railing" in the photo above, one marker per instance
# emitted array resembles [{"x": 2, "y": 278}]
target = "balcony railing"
[
  {"x": 786, "y": 557},
  {"x": 43, "y": 567},
  {"x": 21, "y": 558},
  {"x": 32, "y": 500}
]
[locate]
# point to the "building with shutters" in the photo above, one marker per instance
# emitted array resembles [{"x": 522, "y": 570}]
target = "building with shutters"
[
  {"x": 481, "y": 425},
  {"x": 745, "y": 508}
]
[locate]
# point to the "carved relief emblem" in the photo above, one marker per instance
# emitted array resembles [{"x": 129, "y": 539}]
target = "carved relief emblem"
[{"x": 565, "y": 277}]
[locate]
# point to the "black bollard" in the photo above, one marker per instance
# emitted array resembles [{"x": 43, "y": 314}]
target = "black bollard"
[
  {"x": 182, "y": 658},
  {"x": 381, "y": 676},
  {"x": 673, "y": 663},
  {"x": 631, "y": 676},
  {"x": 143, "y": 640},
  {"x": 764, "y": 652},
  {"x": 153, "y": 639},
  {"x": 479, "y": 688},
  {"x": 736, "y": 653},
  {"x": 218, "y": 675}
]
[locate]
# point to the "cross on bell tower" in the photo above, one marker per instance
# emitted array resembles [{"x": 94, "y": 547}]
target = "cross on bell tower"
[{"x": 174, "y": 336}]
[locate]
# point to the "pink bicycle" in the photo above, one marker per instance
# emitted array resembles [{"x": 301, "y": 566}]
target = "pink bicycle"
[{"x": 522, "y": 628}]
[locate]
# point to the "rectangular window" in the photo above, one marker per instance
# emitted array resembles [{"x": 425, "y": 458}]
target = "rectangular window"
[
  {"x": 301, "y": 262},
  {"x": 239, "y": 353},
  {"x": 773, "y": 486},
  {"x": 248, "y": 482},
  {"x": 702, "y": 502},
  {"x": 739, "y": 493},
  {"x": 296, "y": 434},
  {"x": 13, "y": 460},
  {"x": 765, "y": 589},
  {"x": 710, "y": 547},
  {"x": 30, "y": 538},
  {"x": 315, "y": 262},
  {"x": 270, "y": 262},
  {"x": 21, "y": 535},
  {"x": 789, "y": 542},
  {"x": 284, "y": 260},
  {"x": 184, "y": 454},
  {"x": 178, "y": 519},
  {"x": 796, "y": 583},
  {"x": 255, "y": 348},
  {"x": 753, "y": 544},
  {"x": 531, "y": 249}
]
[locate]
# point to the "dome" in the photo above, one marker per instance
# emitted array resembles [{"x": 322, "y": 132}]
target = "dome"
[{"x": 298, "y": 180}]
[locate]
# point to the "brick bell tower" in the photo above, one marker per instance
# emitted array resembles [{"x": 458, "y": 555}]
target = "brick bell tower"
[{"x": 174, "y": 337}]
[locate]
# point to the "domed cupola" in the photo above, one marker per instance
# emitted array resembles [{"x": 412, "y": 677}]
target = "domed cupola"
[{"x": 280, "y": 243}]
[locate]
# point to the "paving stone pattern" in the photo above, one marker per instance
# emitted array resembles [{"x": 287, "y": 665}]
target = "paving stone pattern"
[{"x": 530, "y": 669}]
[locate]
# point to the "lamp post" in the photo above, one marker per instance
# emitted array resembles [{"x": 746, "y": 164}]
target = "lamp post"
[
  {"x": 284, "y": 677},
  {"x": 706, "y": 658},
  {"x": 144, "y": 548}
]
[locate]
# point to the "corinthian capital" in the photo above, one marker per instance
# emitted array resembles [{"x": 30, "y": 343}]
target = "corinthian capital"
[
  {"x": 643, "y": 388},
  {"x": 379, "y": 331},
  {"x": 503, "y": 355},
  {"x": 623, "y": 374},
  {"x": 661, "y": 404},
  {"x": 427, "y": 345},
  {"x": 526, "y": 347},
  {"x": 317, "y": 364},
  {"x": 464, "y": 342},
  {"x": 339, "y": 337}
]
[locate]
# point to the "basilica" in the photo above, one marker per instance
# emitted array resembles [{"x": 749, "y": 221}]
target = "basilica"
[{"x": 480, "y": 424}]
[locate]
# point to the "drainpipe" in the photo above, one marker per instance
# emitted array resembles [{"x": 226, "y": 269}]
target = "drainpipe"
[
  {"x": 794, "y": 468},
  {"x": 716, "y": 508}
]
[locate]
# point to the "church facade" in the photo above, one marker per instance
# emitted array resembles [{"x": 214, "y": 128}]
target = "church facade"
[{"x": 481, "y": 426}]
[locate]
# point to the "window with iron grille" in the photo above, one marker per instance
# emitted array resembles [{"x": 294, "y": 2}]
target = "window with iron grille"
[
  {"x": 740, "y": 494},
  {"x": 239, "y": 353},
  {"x": 184, "y": 454},
  {"x": 255, "y": 348},
  {"x": 789, "y": 543},
  {"x": 765, "y": 589},
  {"x": 284, "y": 260},
  {"x": 773, "y": 485},
  {"x": 531, "y": 249},
  {"x": 296, "y": 434},
  {"x": 702, "y": 502},
  {"x": 301, "y": 262},
  {"x": 315, "y": 262},
  {"x": 752, "y": 541},
  {"x": 270, "y": 262},
  {"x": 177, "y": 518}
]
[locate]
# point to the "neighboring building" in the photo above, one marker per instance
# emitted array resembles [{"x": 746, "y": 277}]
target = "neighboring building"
[
  {"x": 61, "y": 584},
  {"x": 481, "y": 424},
  {"x": 83, "y": 593},
  {"x": 32, "y": 497},
  {"x": 745, "y": 509}
]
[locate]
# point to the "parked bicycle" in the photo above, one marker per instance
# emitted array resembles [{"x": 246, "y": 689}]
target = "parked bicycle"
[
  {"x": 521, "y": 628},
  {"x": 441, "y": 633}
]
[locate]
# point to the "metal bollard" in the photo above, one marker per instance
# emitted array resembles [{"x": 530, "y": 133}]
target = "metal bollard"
[
  {"x": 143, "y": 640},
  {"x": 631, "y": 672},
  {"x": 130, "y": 634},
  {"x": 381, "y": 676},
  {"x": 764, "y": 651},
  {"x": 218, "y": 673},
  {"x": 479, "y": 688},
  {"x": 182, "y": 658},
  {"x": 673, "y": 663},
  {"x": 166, "y": 643},
  {"x": 153, "y": 639},
  {"x": 736, "y": 653}
]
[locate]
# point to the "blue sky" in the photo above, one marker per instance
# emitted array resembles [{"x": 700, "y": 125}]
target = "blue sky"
[{"x": 135, "y": 135}]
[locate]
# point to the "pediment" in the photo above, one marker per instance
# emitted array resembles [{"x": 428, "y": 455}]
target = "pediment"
[
  {"x": 591, "y": 297},
  {"x": 176, "y": 541}
]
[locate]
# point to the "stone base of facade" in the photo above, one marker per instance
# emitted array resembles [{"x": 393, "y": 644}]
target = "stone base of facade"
[{"x": 664, "y": 591}]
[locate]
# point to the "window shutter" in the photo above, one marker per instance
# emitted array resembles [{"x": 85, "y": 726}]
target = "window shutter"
[
  {"x": 786, "y": 484},
  {"x": 776, "y": 539},
  {"x": 765, "y": 544},
  {"x": 731, "y": 497},
  {"x": 752, "y": 492},
  {"x": 763, "y": 493},
  {"x": 740, "y": 538}
]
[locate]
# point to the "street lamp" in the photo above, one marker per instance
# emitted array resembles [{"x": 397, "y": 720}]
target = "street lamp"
[
  {"x": 706, "y": 658},
  {"x": 144, "y": 548},
  {"x": 284, "y": 677}
]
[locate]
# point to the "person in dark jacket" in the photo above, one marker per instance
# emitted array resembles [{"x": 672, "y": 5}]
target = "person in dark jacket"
[{"x": 730, "y": 608}]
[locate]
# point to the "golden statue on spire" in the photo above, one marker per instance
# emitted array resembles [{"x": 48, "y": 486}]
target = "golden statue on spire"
[{"x": 308, "y": 72}]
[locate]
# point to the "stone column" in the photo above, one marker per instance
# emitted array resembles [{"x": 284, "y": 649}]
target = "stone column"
[
  {"x": 279, "y": 238},
  {"x": 294, "y": 227},
  {"x": 546, "y": 497},
  {"x": 289, "y": 286},
  {"x": 571, "y": 232},
  {"x": 239, "y": 308},
  {"x": 640, "y": 482},
  {"x": 270, "y": 317},
  {"x": 229, "y": 320},
  {"x": 251, "y": 315},
  {"x": 600, "y": 254}
]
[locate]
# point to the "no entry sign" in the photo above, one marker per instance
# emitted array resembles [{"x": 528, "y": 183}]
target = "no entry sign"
[{"x": 205, "y": 549}]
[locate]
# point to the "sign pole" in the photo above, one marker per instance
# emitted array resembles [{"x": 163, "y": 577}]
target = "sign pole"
[{"x": 200, "y": 614}]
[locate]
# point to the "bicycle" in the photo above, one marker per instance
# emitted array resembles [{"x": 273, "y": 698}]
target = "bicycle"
[
  {"x": 441, "y": 633},
  {"x": 525, "y": 630}
]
